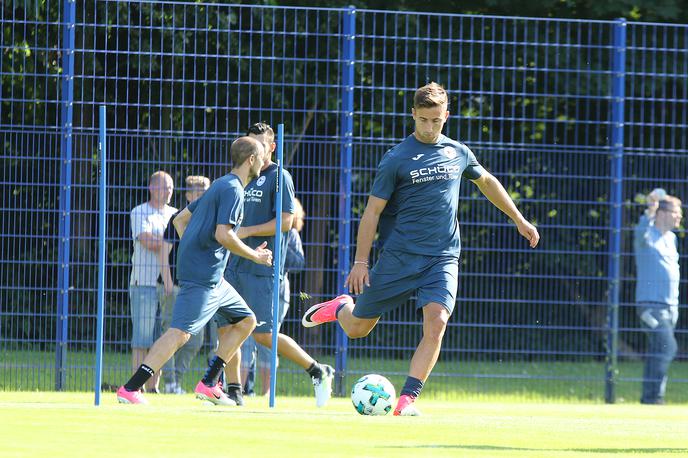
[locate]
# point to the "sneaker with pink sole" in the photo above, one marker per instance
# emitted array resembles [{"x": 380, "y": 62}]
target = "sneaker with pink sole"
[
  {"x": 406, "y": 408},
  {"x": 130, "y": 397},
  {"x": 325, "y": 311},
  {"x": 213, "y": 394}
]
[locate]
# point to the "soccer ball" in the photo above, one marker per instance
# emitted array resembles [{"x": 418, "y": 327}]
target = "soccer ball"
[{"x": 373, "y": 394}]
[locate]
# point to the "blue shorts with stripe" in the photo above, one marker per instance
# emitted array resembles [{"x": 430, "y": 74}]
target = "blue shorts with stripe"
[
  {"x": 197, "y": 304},
  {"x": 257, "y": 290},
  {"x": 396, "y": 276}
]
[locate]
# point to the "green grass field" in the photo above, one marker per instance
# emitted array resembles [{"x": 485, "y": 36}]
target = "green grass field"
[
  {"x": 36, "y": 424},
  {"x": 543, "y": 381}
]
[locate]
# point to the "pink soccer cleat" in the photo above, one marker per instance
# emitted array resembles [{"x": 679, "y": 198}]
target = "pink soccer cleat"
[
  {"x": 325, "y": 311},
  {"x": 213, "y": 394},
  {"x": 405, "y": 407},
  {"x": 130, "y": 397}
]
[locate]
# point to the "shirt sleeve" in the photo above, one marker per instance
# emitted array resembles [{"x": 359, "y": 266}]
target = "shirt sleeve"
[
  {"x": 192, "y": 206},
  {"x": 385, "y": 179},
  {"x": 139, "y": 224},
  {"x": 230, "y": 207},
  {"x": 640, "y": 231},
  {"x": 288, "y": 194},
  {"x": 170, "y": 234},
  {"x": 295, "y": 260},
  {"x": 473, "y": 168}
]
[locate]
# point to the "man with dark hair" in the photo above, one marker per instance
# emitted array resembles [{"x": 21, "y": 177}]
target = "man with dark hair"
[
  {"x": 207, "y": 228},
  {"x": 255, "y": 282},
  {"x": 415, "y": 197}
]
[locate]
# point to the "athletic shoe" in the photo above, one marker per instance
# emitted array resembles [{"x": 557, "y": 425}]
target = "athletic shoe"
[
  {"x": 213, "y": 394},
  {"x": 323, "y": 385},
  {"x": 130, "y": 397},
  {"x": 236, "y": 396},
  {"x": 405, "y": 407},
  {"x": 325, "y": 311},
  {"x": 659, "y": 402},
  {"x": 174, "y": 388}
]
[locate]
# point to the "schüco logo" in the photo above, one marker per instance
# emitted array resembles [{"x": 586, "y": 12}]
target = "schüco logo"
[
  {"x": 440, "y": 169},
  {"x": 253, "y": 193}
]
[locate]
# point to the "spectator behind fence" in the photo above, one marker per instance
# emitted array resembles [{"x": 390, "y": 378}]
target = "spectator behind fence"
[
  {"x": 207, "y": 238},
  {"x": 148, "y": 223},
  {"x": 255, "y": 356},
  {"x": 255, "y": 282},
  {"x": 168, "y": 287},
  {"x": 656, "y": 257},
  {"x": 415, "y": 200}
]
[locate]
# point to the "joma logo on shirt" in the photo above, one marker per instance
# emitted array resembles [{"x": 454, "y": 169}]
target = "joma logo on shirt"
[{"x": 440, "y": 169}]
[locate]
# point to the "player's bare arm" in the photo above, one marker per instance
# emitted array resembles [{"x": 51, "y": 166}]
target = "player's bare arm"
[
  {"x": 267, "y": 228},
  {"x": 165, "y": 272},
  {"x": 181, "y": 221},
  {"x": 495, "y": 193},
  {"x": 225, "y": 235},
  {"x": 358, "y": 276},
  {"x": 150, "y": 241}
]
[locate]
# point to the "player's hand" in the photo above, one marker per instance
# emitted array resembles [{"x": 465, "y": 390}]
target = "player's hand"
[
  {"x": 652, "y": 201},
  {"x": 263, "y": 255},
  {"x": 529, "y": 232},
  {"x": 168, "y": 289},
  {"x": 357, "y": 278}
]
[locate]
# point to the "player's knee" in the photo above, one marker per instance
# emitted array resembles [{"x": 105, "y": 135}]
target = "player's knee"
[
  {"x": 180, "y": 337},
  {"x": 436, "y": 326},
  {"x": 264, "y": 338},
  {"x": 358, "y": 331},
  {"x": 246, "y": 325}
]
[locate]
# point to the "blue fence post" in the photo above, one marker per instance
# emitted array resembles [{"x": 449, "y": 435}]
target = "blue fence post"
[
  {"x": 63, "y": 255},
  {"x": 346, "y": 160},
  {"x": 616, "y": 200},
  {"x": 102, "y": 222},
  {"x": 277, "y": 261}
]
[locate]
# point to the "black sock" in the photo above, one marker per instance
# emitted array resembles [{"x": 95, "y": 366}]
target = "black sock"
[
  {"x": 140, "y": 377},
  {"x": 412, "y": 387},
  {"x": 315, "y": 370},
  {"x": 339, "y": 308},
  {"x": 236, "y": 387},
  {"x": 212, "y": 374}
]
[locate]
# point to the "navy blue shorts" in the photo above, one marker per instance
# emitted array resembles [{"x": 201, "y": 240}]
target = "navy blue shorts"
[
  {"x": 197, "y": 304},
  {"x": 257, "y": 291},
  {"x": 396, "y": 276}
]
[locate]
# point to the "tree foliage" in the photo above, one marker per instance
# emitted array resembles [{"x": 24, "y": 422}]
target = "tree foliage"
[{"x": 531, "y": 98}]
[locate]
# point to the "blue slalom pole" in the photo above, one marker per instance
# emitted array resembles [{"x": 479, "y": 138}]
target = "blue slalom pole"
[
  {"x": 102, "y": 203},
  {"x": 279, "y": 153}
]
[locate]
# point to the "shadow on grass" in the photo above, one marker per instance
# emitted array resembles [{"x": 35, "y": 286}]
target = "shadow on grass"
[{"x": 633, "y": 451}]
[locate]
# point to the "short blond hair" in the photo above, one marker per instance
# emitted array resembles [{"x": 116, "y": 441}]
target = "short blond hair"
[
  {"x": 429, "y": 96},
  {"x": 160, "y": 174},
  {"x": 669, "y": 202},
  {"x": 194, "y": 182}
]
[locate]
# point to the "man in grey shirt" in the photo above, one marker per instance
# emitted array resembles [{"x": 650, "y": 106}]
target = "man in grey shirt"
[{"x": 656, "y": 256}]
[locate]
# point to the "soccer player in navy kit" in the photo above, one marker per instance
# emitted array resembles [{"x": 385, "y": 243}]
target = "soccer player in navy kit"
[
  {"x": 255, "y": 282},
  {"x": 415, "y": 199},
  {"x": 207, "y": 228}
]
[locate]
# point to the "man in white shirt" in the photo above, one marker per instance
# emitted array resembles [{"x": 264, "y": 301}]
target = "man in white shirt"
[{"x": 148, "y": 223}]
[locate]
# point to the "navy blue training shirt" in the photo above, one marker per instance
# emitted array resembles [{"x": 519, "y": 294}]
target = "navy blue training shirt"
[
  {"x": 421, "y": 185},
  {"x": 200, "y": 258},
  {"x": 260, "y": 206}
]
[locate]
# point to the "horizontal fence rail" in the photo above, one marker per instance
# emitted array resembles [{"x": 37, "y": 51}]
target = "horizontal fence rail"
[{"x": 578, "y": 119}]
